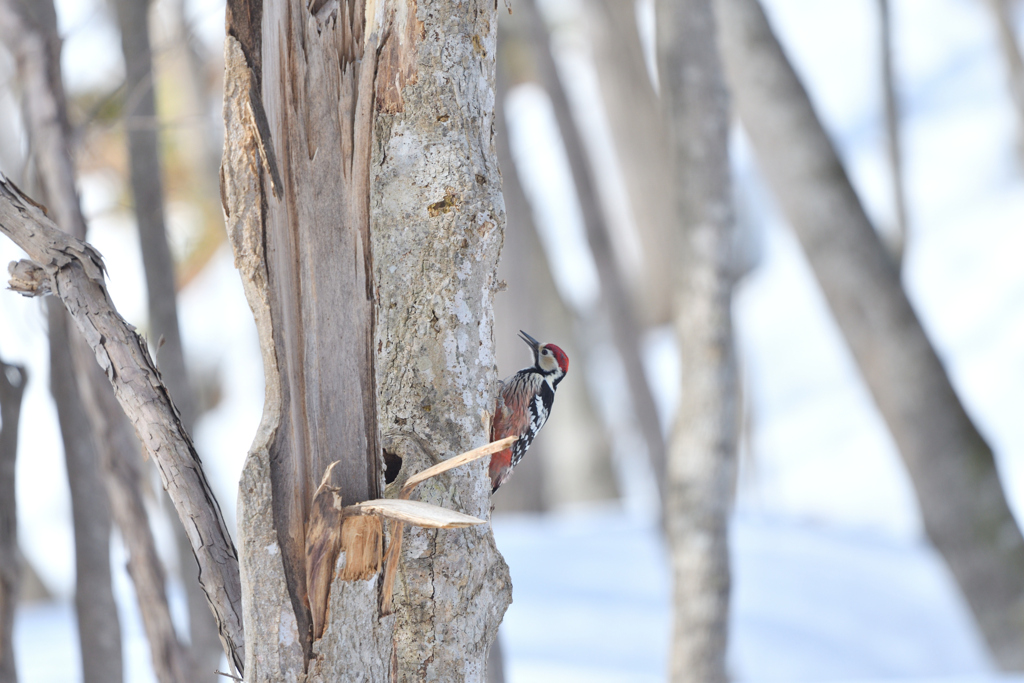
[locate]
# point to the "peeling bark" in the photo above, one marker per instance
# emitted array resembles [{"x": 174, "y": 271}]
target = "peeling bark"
[
  {"x": 13, "y": 379},
  {"x": 363, "y": 203}
]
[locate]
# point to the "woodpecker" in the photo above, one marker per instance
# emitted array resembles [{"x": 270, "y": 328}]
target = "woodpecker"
[{"x": 524, "y": 404}]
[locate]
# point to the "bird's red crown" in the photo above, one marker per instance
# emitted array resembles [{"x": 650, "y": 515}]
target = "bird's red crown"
[{"x": 559, "y": 354}]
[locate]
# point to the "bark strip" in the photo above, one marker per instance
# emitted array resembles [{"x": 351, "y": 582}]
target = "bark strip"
[{"x": 74, "y": 272}]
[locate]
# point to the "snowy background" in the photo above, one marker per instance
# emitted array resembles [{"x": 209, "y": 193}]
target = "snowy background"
[{"x": 833, "y": 580}]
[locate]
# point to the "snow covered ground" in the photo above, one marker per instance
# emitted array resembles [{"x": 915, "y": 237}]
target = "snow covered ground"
[
  {"x": 810, "y": 603},
  {"x": 833, "y": 581}
]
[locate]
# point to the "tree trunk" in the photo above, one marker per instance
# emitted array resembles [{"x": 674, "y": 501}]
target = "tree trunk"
[
  {"x": 1002, "y": 13},
  {"x": 639, "y": 130},
  {"x": 625, "y": 329},
  {"x": 962, "y": 503},
  {"x": 576, "y": 446},
  {"x": 897, "y": 242},
  {"x": 702, "y": 451},
  {"x": 703, "y": 444},
  {"x": 147, "y": 190},
  {"x": 121, "y": 462},
  {"x": 363, "y": 203},
  {"x": 99, "y": 630},
  {"x": 13, "y": 379}
]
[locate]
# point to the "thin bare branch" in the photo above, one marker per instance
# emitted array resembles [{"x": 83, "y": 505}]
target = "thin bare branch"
[{"x": 75, "y": 273}]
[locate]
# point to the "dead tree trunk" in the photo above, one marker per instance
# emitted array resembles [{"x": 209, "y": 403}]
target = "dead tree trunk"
[
  {"x": 29, "y": 30},
  {"x": 147, "y": 190},
  {"x": 363, "y": 202},
  {"x": 702, "y": 450},
  {"x": 962, "y": 502},
  {"x": 13, "y": 379}
]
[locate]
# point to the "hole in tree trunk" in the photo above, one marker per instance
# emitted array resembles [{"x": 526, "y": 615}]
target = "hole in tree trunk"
[{"x": 392, "y": 466}]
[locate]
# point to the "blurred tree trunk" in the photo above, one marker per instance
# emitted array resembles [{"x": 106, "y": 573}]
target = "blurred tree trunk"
[
  {"x": 573, "y": 463},
  {"x": 529, "y": 292},
  {"x": 147, "y": 190},
  {"x": 1002, "y": 13},
  {"x": 99, "y": 630},
  {"x": 13, "y": 379},
  {"x": 897, "y": 243},
  {"x": 496, "y": 663},
  {"x": 199, "y": 141},
  {"x": 363, "y": 203},
  {"x": 121, "y": 462},
  {"x": 962, "y": 502},
  {"x": 702, "y": 451},
  {"x": 639, "y": 130},
  {"x": 118, "y": 449},
  {"x": 29, "y": 28},
  {"x": 626, "y": 332}
]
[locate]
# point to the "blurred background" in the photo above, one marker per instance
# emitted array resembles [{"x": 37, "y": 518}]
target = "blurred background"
[{"x": 833, "y": 575}]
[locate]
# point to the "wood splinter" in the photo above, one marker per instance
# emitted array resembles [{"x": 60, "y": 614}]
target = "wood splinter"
[{"x": 357, "y": 530}]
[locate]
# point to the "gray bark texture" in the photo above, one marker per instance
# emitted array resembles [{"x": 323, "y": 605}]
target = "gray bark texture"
[
  {"x": 73, "y": 271},
  {"x": 13, "y": 379},
  {"x": 30, "y": 31},
  {"x": 364, "y": 206},
  {"x": 145, "y": 171},
  {"x": 951, "y": 466},
  {"x": 639, "y": 130},
  {"x": 702, "y": 449},
  {"x": 625, "y": 329}
]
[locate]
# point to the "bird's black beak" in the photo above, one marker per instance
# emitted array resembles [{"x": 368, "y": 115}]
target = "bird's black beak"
[{"x": 534, "y": 344}]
